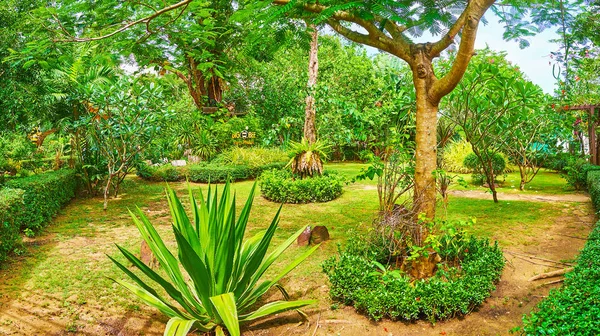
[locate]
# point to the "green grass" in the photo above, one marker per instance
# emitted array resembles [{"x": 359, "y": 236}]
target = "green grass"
[
  {"x": 545, "y": 182},
  {"x": 69, "y": 259},
  {"x": 509, "y": 222}
]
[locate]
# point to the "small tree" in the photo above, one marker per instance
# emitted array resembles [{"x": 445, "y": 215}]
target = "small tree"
[
  {"x": 489, "y": 96},
  {"x": 528, "y": 139},
  {"x": 122, "y": 120}
]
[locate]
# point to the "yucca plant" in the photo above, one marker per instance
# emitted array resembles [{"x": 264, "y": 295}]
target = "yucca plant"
[
  {"x": 307, "y": 158},
  {"x": 223, "y": 270}
]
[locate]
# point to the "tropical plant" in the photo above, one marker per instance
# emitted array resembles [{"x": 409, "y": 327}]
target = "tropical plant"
[
  {"x": 224, "y": 270},
  {"x": 307, "y": 157}
]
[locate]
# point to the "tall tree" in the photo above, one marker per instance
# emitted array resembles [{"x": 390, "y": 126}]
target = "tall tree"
[
  {"x": 310, "y": 128},
  {"x": 387, "y": 25}
]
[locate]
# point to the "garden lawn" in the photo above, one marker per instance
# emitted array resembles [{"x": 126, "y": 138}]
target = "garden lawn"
[{"x": 61, "y": 282}]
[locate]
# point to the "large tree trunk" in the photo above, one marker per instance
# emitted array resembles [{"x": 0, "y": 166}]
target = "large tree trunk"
[
  {"x": 310, "y": 130},
  {"x": 426, "y": 138}
]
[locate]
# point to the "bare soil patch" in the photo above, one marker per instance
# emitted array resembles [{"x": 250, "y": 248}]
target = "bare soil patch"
[{"x": 479, "y": 194}]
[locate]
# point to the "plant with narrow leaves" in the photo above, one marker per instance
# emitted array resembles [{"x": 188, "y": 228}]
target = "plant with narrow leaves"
[
  {"x": 307, "y": 157},
  {"x": 223, "y": 269}
]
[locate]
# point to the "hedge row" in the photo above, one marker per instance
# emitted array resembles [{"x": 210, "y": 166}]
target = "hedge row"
[
  {"x": 12, "y": 210},
  {"x": 280, "y": 186},
  {"x": 574, "y": 308},
  {"x": 203, "y": 173},
  {"x": 28, "y": 203}
]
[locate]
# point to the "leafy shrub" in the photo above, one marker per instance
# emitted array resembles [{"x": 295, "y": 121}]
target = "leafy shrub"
[
  {"x": 12, "y": 211},
  {"x": 44, "y": 195},
  {"x": 281, "y": 186},
  {"x": 593, "y": 185},
  {"x": 218, "y": 174},
  {"x": 557, "y": 162},
  {"x": 473, "y": 163},
  {"x": 357, "y": 279},
  {"x": 576, "y": 172},
  {"x": 203, "y": 173},
  {"x": 223, "y": 270},
  {"x": 252, "y": 157},
  {"x": 454, "y": 155},
  {"x": 43, "y": 164}
]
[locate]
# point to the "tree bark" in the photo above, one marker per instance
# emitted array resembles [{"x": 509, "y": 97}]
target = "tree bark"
[
  {"x": 310, "y": 129},
  {"x": 106, "y": 191},
  {"x": 426, "y": 136}
]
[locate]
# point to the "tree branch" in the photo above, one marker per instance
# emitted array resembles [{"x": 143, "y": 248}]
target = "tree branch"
[
  {"x": 397, "y": 45},
  {"x": 146, "y": 20},
  {"x": 472, "y": 16}
]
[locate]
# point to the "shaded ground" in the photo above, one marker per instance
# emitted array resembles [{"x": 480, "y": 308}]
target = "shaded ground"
[{"x": 61, "y": 286}]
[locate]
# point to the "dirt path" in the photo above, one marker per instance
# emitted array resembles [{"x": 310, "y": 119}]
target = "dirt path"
[{"x": 581, "y": 198}]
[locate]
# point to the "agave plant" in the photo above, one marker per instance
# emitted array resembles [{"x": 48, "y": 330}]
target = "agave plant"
[
  {"x": 223, "y": 270},
  {"x": 307, "y": 158}
]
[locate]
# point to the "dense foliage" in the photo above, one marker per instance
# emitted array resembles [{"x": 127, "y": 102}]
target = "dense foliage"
[
  {"x": 284, "y": 187},
  {"x": 224, "y": 270},
  {"x": 203, "y": 173},
  {"x": 573, "y": 308},
  {"x": 357, "y": 278},
  {"x": 44, "y": 195},
  {"x": 474, "y": 164},
  {"x": 12, "y": 211}
]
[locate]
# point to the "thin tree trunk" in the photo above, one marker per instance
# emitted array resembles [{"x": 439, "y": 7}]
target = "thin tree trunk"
[
  {"x": 523, "y": 172},
  {"x": 106, "y": 191},
  {"x": 310, "y": 130}
]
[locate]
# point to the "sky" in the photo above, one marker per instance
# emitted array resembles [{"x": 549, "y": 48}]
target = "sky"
[{"x": 533, "y": 60}]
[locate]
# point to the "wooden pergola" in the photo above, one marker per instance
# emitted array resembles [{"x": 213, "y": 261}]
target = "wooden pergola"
[{"x": 592, "y": 123}]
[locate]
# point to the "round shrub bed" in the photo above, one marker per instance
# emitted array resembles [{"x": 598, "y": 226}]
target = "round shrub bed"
[
  {"x": 455, "y": 289},
  {"x": 281, "y": 186}
]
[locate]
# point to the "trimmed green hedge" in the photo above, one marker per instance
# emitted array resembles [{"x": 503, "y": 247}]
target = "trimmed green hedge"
[
  {"x": 279, "y": 186},
  {"x": 12, "y": 210},
  {"x": 213, "y": 173},
  {"x": 44, "y": 195},
  {"x": 357, "y": 280},
  {"x": 574, "y": 308},
  {"x": 29, "y": 202}
]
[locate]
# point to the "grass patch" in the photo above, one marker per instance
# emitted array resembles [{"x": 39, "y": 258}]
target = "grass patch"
[{"x": 67, "y": 261}]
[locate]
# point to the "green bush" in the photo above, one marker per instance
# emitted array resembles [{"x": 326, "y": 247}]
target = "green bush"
[
  {"x": 281, "y": 186},
  {"x": 44, "y": 195},
  {"x": 593, "y": 185},
  {"x": 42, "y": 164},
  {"x": 473, "y": 163},
  {"x": 218, "y": 174},
  {"x": 203, "y": 173},
  {"x": 576, "y": 171},
  {"x": 454, "y": 155},
  {"x": 557, "y": 162},
  {"x": 252, "y": 157},
  {"x": 357, "y": 279},
  {"x": 12, "y": 211}
]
